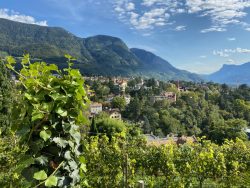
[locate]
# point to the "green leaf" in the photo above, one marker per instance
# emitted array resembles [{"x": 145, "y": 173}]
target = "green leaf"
[
  {"x": 82, "y": 159},
  {"x": 25, "y": 59},
  {"x": 60, "y": 142},
  {"x": 10, "y": 60},
  {"x": 51, "y": 181},
  {"x": 61, "y": 112},
  {"x": 37, "y": 115},
  {"x": 58, "y": 96},
  {"x": 45, "y": 135},
  {"x": 47, "y": 106},
  {"x": 83, "y": 167},
  {"x": 41, "y": 175},
  {"x": 9, "y": 66},
  {"x": 28, "y": 96},
  {"x": 23, "y": 163},
  {"x": 85, "y": 182},
  {"x": 75, "y": 72}
]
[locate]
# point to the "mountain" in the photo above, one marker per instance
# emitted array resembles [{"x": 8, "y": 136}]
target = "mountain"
[
  {"x": 97, "y": 55},
  {"x": 232, "y": 74},
  {"x": 157, "y": 67}
]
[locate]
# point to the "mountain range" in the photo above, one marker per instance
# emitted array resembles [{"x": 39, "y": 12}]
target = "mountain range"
[
  {"x": 101, "y": 54},
  {"x": 97, "y": 55},
  {"x": 232, "y": 74}
]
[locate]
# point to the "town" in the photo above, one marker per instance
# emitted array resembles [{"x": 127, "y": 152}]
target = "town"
[{"x": 152, "y": 105}]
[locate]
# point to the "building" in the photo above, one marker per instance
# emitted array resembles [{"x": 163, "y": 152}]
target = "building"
[
  {"x": 127, "y": 99},
  {"x": 182, "y": 89},
  {"x": 110, "y": 98},
  {"x": 114, "y": 114},
  {"x": 123, "y": 85},
  {"x": 248, "y": 132},
  {"x": 170, "y": 96},
  {"x": 95, "y": 108}
]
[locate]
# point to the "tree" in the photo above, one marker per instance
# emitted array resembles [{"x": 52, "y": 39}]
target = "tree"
[
  {"x": 93, "y": 129},
  {"x": 111, "y": 127},
  {"x": 6, "y": 98},
  {"x": 235, "y": 128},
  {"x": 237, "y": 154},
  {"x": 146, "y": 125},
  {"x": 119, "y": 102},
  {"x": 208, "y": 162},
  {"x": 134, "y": 109}
]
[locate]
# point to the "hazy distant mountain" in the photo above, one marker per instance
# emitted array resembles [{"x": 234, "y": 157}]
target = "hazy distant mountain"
[
  {"x": 99, "y": 55},
  {"x": 232, "y": 74},
  {"x": 155, "y": 64}
]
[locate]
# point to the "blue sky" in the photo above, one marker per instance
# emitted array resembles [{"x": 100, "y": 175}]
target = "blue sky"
[{"x": 196, "y": 35}]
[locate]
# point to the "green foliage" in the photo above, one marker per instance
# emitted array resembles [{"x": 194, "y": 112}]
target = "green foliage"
[
  {"x": 50, "y": 116},
  {"x": 41, "y": 175},
  {"x": 111, "y": 127},
  {"x": 104, "y": 158},
  {"x": 11, "y": 157},
  {"x": 122, "y": 162},
  {"x": 6, "y": 98},
  {"x": 119, "y": 102}
]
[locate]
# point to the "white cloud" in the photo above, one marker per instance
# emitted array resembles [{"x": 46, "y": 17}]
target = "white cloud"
[
  {"x": 146, "y": 34},
  {"x": 203, "y": 56},
  {"x": 16, "y": 16},
  {"x": 130, "y": 6},
  {"x": 180, "y": 28},
  {"x": 152, "y": 14},
  {"x": 220, "y": 53},
  {"x": 242, "y": 50},
  {"x": 150, "y": 19},
  {"x": 230, "y": 61},
  {"x": 228, "y": 52},
  {"x": 149, "y": 3},
  {"x": 221, "y": 12},
  {"x": 212, "y": 29},
  {"x": 231, "y": 39}
]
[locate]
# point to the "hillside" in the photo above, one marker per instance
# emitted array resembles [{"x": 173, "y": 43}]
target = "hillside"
[
  {"x": 159, "y": 67},
  {"x": 99, "y": 55},
  {"x": 232, "y": 74}
]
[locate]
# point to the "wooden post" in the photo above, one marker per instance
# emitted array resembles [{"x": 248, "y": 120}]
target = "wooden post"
[
  {"x": 141, "y": 184},
  {"x": 126, "y": 170}
]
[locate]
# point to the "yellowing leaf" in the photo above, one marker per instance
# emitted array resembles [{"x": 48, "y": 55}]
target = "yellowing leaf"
[
  {"x": 41, "y": 175},
  {"x": 83, "y": 167},
  {"x": 45, "y": 135},
  {"x": 51, "y": 181}
]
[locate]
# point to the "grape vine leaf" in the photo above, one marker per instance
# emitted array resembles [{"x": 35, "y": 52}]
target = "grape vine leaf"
[
  {"x": 41, "y": 175},
  {"x": 51, "y": 181}
]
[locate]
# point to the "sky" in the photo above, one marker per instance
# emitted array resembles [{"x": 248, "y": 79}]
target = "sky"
[{"x": 195, "y": 35}]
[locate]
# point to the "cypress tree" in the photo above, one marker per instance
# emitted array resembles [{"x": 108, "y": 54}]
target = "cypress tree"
[
  {"x": 93, "y": 129},
  {"x": 6, "y": 95}
]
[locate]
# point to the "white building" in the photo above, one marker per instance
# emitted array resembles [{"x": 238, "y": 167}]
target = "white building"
[
  {"x": 95, "y": 108},
  {"x": 114, "y": 114},
  {"x": 170, "y": 96},
  {"x": 127, "y": 99}
]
